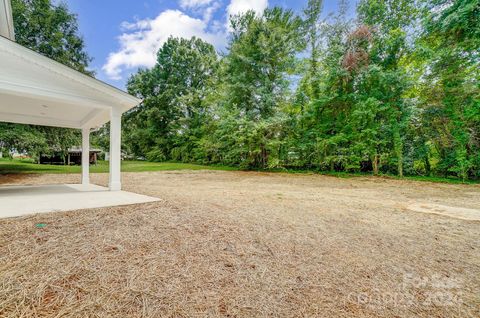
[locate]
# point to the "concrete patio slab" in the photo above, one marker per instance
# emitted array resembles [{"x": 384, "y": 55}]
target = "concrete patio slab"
[{"x": 24, "y": 200}]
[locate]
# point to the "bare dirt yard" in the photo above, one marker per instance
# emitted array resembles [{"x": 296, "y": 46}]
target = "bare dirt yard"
[{"x": 245, "y": 244}]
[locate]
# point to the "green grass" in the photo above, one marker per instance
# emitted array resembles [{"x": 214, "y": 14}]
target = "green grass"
[
  {"x": 441, "y": 179},
  {"x": 8, "y": 166},
  {"x": 452, "y": 180},
  {"x": 347, "y": 175},
  {"x": 13, "y": 166}
]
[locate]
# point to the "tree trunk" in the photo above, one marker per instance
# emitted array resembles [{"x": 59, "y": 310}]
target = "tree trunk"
[
  {"x": 264, "y": 156},
  {"x": 375, "y": 165},
  {"x": 428, "y": 167},
  {"x": 400, "y": 167},
  {"x": 398, "y": 147}
]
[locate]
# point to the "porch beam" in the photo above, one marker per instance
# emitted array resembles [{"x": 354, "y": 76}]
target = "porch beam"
[{"x": 91, "y": 118}]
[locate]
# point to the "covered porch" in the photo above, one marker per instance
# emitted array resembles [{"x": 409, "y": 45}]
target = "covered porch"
[{"x": 39, "y": 91}]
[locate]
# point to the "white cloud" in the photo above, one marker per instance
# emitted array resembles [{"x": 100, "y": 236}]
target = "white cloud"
[
  {"x": 208, "y": 12},
  {"x": 142, "y": 39},
  {"x": 185, "y": 4},
  {"x": 205, "y": 8},
  {"x": 242, "y": 6}
]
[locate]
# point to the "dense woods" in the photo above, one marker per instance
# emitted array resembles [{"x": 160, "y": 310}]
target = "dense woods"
[{"x": 395, "y": 90}]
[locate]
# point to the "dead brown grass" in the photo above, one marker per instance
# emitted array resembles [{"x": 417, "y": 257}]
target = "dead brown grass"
[{"x": 234, "y": 244}]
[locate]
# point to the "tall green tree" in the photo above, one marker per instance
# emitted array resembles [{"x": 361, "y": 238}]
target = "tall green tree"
[
  {"x": 318, "y": 139},
  {"x": 391, "y": 21},
  {"x": 169, "y": 123},
  {"x": 262, "y": 54}
]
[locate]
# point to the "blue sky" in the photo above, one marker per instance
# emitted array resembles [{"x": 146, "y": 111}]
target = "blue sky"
[{"x": 123, "y": 35}]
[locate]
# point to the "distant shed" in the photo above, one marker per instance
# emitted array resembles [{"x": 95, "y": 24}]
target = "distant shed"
[{"x": 73, "y": 157}]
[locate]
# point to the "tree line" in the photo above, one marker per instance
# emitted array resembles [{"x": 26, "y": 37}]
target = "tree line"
[{"x": 395, "y": 90}]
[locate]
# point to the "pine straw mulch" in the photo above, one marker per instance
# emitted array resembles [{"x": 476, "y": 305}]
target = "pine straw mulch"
[{"x": 283, "y": 259}]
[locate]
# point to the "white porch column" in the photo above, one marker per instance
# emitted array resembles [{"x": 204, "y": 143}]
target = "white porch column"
[
  {"x": 115, "y": 149},
  {"x": 85, "y": 156}
]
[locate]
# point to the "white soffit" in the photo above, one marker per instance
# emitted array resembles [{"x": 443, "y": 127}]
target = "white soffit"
[
  {"x": 6, "y": 20},
  {"x": 37, "y": 90}
]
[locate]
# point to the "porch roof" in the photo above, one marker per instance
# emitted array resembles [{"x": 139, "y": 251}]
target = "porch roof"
[{"x": 40, "y": 91}]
